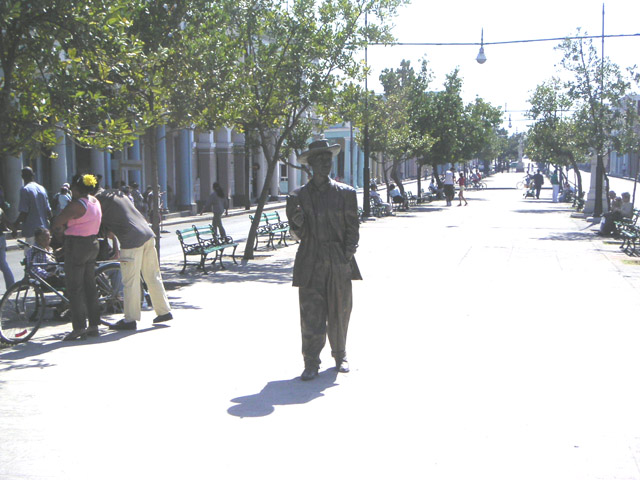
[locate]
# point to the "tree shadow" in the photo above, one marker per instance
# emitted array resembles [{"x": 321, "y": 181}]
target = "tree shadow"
[
  {"x": 283, "y": 392},
  {"x": 570, "y": 236},
  {"x": 277, "y": 271}
]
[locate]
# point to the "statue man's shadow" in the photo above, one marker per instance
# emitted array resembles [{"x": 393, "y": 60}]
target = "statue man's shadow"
[{"x": 283, "y": 392}]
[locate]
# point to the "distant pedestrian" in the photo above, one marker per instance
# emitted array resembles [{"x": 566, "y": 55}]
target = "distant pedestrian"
[
  {"x": 34, "y": 207},
  {"x": 462, "y": 181},
  {"x": 555, "y": 184},
  {"x": 138, "y": 200},
  {"x": 538, "y": 181},
  {"x": 217, "y": 203},
  {"x": 449, "y": 182},
  {"x": 396, "y": 196}
]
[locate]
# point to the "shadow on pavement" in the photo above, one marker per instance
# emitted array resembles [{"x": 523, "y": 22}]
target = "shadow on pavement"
[
  {"x": 13, "y": 354},
  {"x": 283, "y": 392},
  {"x": 274, "y": 271},
  {"x": 570, "y": 236}
]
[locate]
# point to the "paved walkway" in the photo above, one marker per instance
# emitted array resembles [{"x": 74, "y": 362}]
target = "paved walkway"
[{"x": 497, "y": 341}]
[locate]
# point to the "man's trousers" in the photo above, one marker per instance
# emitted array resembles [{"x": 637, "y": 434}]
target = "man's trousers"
[
  {"x": 325, "y": 308},
  {"x": 143, "y": 259}
]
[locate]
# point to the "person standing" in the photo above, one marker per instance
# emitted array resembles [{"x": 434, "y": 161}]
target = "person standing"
[
  {"x": 217, "y": 203},
  {"x": 449, "y": 182},
  {"x": 538, "y": 181},
  {"x": 138, "y": 200},
  {"x": 78, "y": 226},
  {"x": 555, "y": 184},
  {"x": 34, "y": 207},
  {"x": 462, "y": 183},
  {"x": 323, "y": 215},
  {"x": 138, "y": 255}
]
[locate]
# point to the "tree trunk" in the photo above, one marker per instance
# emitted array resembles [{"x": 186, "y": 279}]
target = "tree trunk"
[
  {"x": 597, "y": 209},
  {"x": 251, "y": 239},
  {"x": 419, "y": 186},
  {"x": 155, "y": 207},
  {"x": 434, "y": 166}
]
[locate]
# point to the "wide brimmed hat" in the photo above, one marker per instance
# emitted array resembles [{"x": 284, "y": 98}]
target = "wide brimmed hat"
[{"x": 317, "y": 147}]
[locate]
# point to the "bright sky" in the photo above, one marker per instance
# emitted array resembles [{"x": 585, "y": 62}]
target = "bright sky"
[{"x": 511, "y": 72}]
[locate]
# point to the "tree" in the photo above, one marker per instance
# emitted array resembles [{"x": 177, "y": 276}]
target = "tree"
[
  {"x": 295, "y": 58},
  {"x": 480, "y": 136},
  {"x": 596, "y": 87},
  {"x": 553, "y": 136},
  {"x": 45, "y": 47}
]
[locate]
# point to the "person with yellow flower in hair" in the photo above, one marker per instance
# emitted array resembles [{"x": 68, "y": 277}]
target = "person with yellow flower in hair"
[{"x": 77, "y": 227}]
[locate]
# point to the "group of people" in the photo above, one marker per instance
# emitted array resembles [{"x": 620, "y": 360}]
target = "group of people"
[
  {"x": 620, "y": 208},
  {"x": 394, "y": 195},
  {"x": 449, "y": 186},
  {"x": 75, "y": 223}
]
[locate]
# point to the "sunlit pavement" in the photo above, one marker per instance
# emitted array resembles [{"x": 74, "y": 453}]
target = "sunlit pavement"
[{"x": 498, "y": 340}]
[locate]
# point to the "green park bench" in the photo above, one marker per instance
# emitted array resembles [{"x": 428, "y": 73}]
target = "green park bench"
[
  {"x": 270, "y": 227},
  {"x": 201, "y": 242}
]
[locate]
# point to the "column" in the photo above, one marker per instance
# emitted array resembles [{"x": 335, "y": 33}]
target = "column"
[
  {"x": 239, "y": 195},
  {"x": 161, "y": 154},
  {"x": 59, "y": 164},
  {"x": 13, "y": 173},
  {"x": 107, "y": 179},
  {"x": 97, "y": 162},
  {"x": 206, "y": 158},
  {"x": 590, "y": 203},
  {"x": 224, "y": 157},
  {"x": 293, "y": 173},
  {"x": 184, "y": 169},
  {"x": 136, "y": 158}
]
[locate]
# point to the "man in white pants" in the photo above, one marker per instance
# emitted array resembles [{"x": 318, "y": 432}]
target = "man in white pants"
[{"x": 137, "y": 253}]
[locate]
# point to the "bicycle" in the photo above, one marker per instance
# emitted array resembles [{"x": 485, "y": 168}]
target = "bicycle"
[{"x": 23, "y": 306}]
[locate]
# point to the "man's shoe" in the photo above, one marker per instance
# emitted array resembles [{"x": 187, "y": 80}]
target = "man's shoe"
[
  {"x": 123, "y": 325},
  {"x": 342, "y": 366},
  {"x": 93, "y": 331},
  {"x": 163, "y": 318},
  {"x": 309, "y": 373},
  {"x": 75, "y": 335}
]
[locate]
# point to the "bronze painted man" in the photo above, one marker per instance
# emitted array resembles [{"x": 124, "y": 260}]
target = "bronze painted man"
[{"x": 323, "y": 215}]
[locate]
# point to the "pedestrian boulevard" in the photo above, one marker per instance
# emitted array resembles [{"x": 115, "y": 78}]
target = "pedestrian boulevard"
[{"x": 498, "y": 341}]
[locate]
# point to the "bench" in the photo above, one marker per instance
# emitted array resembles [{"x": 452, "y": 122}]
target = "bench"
[
  {"x": 425, "y": 197},
  {"x": 212, "y": 243},
  {"x": 628, "y": 230},
  {"x": 201, "y": 242},
  {"x": 270, "y": 227},
  {"x": 377, "y": 209},
  {"x": 412, "y": 201}
]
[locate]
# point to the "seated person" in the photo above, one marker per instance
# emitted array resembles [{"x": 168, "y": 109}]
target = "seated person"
[
  {"x": 607, "y": 225},
  {"x": 396, "y": 196},
  {"x": 42, "y": 261},
  {"x": 627, "y": 207},
  {"x": 378, "y": 200}
]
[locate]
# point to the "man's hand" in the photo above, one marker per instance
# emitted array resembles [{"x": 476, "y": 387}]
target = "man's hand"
[{"x": 298, "y": 216}]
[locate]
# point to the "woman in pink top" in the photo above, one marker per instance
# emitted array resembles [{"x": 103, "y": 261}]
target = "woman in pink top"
[{"x": 78, "y": 225}]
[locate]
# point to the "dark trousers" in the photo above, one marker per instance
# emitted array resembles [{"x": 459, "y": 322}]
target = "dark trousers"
[
  {"x": 217, "y": 225},
  {"x": 538, "y": 188},
  {"x": 325, "y": 309},
  {"x": 80, "y": 255}
]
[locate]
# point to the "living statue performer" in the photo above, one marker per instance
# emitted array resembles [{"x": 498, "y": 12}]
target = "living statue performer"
[{"x": 323, "y": 215}]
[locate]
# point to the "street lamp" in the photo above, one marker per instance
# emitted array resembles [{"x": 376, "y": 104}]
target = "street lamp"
[{"x": 481, "y": 58}]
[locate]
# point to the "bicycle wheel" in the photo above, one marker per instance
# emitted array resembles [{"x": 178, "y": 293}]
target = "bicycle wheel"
[
  {"x": 110, "y": 288},
  {"x": 21, "y": 311},
  {"x": 520, "y": 185},
  {"x": 482, "y": 185}
]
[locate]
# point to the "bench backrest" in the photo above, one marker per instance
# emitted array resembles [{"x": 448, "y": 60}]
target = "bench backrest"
[
  {"x": 187, "y": 235},
  {"x": 268, "y": 218}
]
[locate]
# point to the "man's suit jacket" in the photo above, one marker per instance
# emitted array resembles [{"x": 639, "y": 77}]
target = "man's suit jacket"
[{"x": 343, "y": 216}]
